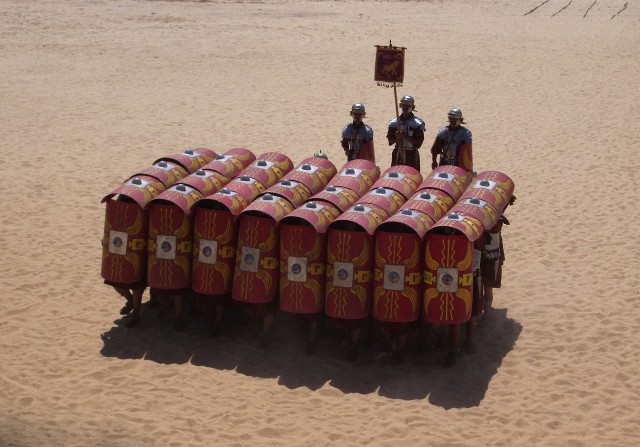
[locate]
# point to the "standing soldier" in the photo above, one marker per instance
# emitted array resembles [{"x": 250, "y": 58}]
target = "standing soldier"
[
  {"x": 407, "y": 137},
  {"x": 453, "y": 143},
  {"x": 357, "y": 137},
  {"x": 492, "y": 260}
]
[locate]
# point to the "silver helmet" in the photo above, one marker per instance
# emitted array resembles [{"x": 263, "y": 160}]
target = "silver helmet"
[
  {"x": 357, "y": 109},
  {"x": 455, "y": 113},
  {"x": 408, "y": 101}
]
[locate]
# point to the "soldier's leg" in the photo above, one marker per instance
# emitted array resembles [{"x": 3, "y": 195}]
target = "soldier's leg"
[
  {"x": 398, "y": 352},
  {"x": 356, "y": 339},
  {"x": 488, "y": 297},
  {"x": 454, "y": 345},
  {"x": 312, "y": 346},
  {"x": 218, "y": 312},
  {"x": 267, "y": 315},
  {"x": 178, "y": 307},
  {"x": 470, "y": 342},
  {"x": 136, "y": 303},
  {"x": 126, "y": 294},
  {"x": 441, "y": 336}
]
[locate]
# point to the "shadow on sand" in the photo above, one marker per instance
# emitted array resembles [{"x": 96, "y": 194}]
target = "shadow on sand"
[{"x": 420, "y": 376}]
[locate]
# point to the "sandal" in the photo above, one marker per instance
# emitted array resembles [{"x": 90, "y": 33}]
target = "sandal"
[{"x": 127, "y": 308}]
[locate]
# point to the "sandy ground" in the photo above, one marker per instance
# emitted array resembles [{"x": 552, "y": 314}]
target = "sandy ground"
[{"x": 93, "y": 90}]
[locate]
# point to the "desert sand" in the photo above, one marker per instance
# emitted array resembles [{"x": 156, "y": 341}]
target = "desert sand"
[{"x": 91, "y": 91}]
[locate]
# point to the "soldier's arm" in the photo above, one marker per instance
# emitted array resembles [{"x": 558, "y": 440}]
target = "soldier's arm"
[
  {"x": 436, "y": 149},
  {"x": 391, "y": 135},
  {"x": 345, "y": 145},
  {"x": 417, "y": 138},
  {"x": 369, "y": 136}
]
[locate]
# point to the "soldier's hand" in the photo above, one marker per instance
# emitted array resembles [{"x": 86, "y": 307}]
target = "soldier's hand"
[
  {"x": 399, "y": 136},
  {"x": 434, "y": 164}
]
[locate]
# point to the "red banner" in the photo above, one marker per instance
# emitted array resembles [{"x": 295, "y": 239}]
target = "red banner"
[{"x": 389, "y": 64}]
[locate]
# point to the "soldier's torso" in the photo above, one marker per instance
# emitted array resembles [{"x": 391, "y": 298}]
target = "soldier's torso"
[
  {"x": 357, "y": 136},
  {"x": 408, "y": 126},
  {"x": 453, "y": 140}
]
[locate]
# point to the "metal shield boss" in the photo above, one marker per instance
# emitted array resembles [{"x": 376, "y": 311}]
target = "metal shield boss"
[
  {"x": 303, "y": 256},
  {"x": 448, "y": 279},
  {"x": 255, "y": 276},
  {"x": 397, "y": 281},
  {"x": 169, "y": 247},
  {"x": 214, "y": 248}
]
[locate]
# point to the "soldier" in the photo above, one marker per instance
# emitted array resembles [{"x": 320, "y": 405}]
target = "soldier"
[
  {"x": 492, "y": 260},
  {"x": 478, "y": 297},
  {"x": 408, "y": 137},
  {"x": 453, "y": 143},
  {"x": 124, "y": 267},
  {"x": 357, "y": 137}
]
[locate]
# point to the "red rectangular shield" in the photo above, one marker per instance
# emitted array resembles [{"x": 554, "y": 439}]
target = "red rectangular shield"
[
  {"x": 348, "y": 278},
  {"x": 255, "y": 277},
  {"x": 397, "y": 277},
  {"x": 303, "y": 255},
  {"x": 214, "y": 250},
  {"x": 169, "y": 247},
  {"x": 448, "y": 279},
  {"x": 124, "y": 253}
]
